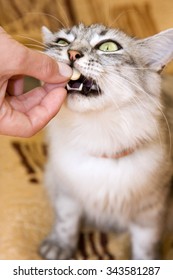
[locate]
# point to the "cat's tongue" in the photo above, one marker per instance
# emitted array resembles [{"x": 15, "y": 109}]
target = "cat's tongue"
[{"x": 75, "y": 85}]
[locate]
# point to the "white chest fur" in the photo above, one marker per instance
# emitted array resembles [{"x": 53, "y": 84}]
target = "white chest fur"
[{"x": 107, "y": 189}]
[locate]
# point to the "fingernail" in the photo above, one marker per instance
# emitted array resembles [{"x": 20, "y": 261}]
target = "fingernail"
[{"x": 65, "y": 70}]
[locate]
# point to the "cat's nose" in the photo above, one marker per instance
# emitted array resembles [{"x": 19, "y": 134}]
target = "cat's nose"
[{"x": 73, "y": 55}]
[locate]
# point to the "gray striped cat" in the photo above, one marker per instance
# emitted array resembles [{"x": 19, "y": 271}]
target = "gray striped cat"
[{"x": 109, "y": 147}]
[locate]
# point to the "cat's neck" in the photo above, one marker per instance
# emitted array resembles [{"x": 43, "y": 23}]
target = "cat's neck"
[{"x": 108, "y": 134}]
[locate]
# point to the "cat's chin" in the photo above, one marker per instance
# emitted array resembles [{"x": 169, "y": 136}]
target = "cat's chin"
[{"x": 81, "y": 103}]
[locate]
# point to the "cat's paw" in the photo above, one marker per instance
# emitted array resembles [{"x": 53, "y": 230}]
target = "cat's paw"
[{"x": 51, "y": 250}]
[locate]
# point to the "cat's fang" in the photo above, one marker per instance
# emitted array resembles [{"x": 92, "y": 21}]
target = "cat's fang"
[
  {"x": 69, "y": 88},
  {"x": 76, "y": 74},
  {"x": 94, "y": 87},
  {"x": 81, "y": 87}
]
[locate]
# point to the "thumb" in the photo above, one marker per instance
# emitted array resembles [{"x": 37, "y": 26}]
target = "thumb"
[
  {"x": 45, "y": 68},
  {"x": 24, "y": 61}
]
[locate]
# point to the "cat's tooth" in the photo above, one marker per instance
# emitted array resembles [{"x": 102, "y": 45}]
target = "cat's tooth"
[
  {"x": 68, "y": 87},
  {"x": 81, "y": 87},
  {"x": 94, "y": 87},
  {"x": 76, "y": 74}
]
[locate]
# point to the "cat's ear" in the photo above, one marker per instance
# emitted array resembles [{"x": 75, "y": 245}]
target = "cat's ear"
[
  {"x": 46, "y": 34},
  {"x": 157, "y": 50}
]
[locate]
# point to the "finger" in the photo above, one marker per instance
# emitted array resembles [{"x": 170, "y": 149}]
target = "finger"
[
  {"x": 49, "y": 87},
  {"x": 15, "y": 85},
  {"x": 23, "y": 60},
  {"x": 41, "y": 114},
  {"x": 3, "y": 87},
  {"x": 17, "y": 123},
  {"x": 27, "y": 101},
  {"x": 45, "y": 68}
]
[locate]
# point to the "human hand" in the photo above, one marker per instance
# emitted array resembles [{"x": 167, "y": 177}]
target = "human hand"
[{"x": 25, "y": 114}]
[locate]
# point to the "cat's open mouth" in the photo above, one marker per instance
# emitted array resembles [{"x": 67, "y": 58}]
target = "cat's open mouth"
[{"x": 83, "y": 85}]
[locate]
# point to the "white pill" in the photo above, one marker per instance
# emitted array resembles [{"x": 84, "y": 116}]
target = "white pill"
[{"x": 76, "y": 74}]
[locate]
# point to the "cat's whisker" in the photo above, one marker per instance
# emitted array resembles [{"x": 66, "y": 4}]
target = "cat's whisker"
[
  {"x": 161, "y": 111},
  {"x": 35, "y": 46},
  {"x": 137, "y": 101},
  {"x": 129, "y": 68},
  {"x": 98, "y": 88},
  {"x": 31, "y": 39},
  {"x": 53, "y": 17},
  {"x": 157, "y": 105},
  {"x": 109, "y": 81},
  {"x": 113, "y": 100},
  {"x": 114, "y": 23},
  {"x": 132, "y": 83}
]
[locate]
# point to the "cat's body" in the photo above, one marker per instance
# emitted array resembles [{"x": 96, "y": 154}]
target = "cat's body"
[{"x": 109, "y": 150}]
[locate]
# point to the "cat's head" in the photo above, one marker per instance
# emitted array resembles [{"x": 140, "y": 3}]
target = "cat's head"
[{"x": 116, "y": 70}]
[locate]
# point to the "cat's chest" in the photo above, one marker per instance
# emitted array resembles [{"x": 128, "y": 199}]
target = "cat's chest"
[
  {"x": 78, "y": 146},
  {"x": 97, "y": 133},
  {"x": 105, "y": 187},
  {"x": 94, "y": 134}
]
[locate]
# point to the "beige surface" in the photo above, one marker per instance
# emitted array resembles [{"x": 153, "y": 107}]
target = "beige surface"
[{"x": 25, "y": 214}]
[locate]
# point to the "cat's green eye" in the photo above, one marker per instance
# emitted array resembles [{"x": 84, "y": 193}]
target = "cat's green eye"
[
  {"x": 109, "y": 47},
  {"x": 62, "y": 42}
]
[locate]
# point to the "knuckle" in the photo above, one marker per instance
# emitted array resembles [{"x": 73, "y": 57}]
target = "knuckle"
[
  {"x": 49, "y": 68},
  {"x": 20, "y": 58}
]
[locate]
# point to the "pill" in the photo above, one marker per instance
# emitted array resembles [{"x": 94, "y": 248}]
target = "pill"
[{"x": 76, "y": 74}]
